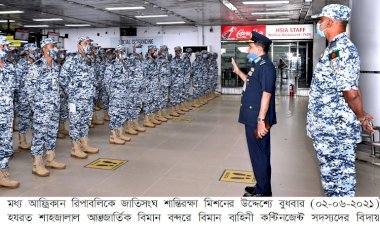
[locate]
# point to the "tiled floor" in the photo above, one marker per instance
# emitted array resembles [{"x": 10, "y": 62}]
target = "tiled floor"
[{"x": 187, "y": 159}]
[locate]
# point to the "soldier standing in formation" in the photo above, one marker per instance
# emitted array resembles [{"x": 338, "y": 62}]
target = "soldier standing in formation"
[
  {"x": 64, "y": 111},
  {"x": 24, "y": 107},
  {"x": 116, "y": 84},
  {"x": 7, "y": 88},
  {"x": 78, "y": 82},
  {"x": 43, "y": 95},
  {"x": 53, "y": 87},
  {"x": 135, "y": 69},
  {"x": 163, "y": 67}
]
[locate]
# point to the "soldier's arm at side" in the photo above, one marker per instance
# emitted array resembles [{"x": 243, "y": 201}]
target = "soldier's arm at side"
[
  {"x": 264, "y": 106},
  {"x": 354, "y": 101}
]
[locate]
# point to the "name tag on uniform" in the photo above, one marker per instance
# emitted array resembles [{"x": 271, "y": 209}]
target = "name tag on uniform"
[
  {"x": 250, "y": 73},
  {"x": 72, "y": 108}
]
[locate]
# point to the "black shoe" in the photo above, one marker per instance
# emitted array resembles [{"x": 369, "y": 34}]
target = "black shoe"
[
  {"x": 247, "y": 194},
  {"x": 250, "y": 189}
]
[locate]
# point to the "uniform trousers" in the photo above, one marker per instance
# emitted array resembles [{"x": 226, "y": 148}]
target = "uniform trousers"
[
  {"x": 337, "y": 167},
  {"x": 259, "y": 152}
]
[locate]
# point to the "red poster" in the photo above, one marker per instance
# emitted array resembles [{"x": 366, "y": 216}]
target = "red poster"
[{"x": 241, "y": 32}]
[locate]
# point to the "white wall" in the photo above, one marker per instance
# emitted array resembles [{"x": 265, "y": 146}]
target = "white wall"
[{"x": 108, "y": 37}]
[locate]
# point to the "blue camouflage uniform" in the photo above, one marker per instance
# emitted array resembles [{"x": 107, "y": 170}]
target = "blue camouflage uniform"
[
  {"x": 136, "y": 87},
  {"x": 187, "y": 74},
  {"x": 331, "y": 124},
  {"x": 135, "y": 68},
  {"x": 78, "y": 80},
  {"x": 24, "y": 108},
  {"x": 214, "y": 80},
  {"x": 151, "y": 84},
  {"x": 177, "y": 74},
  {"x": 163, "y": 67},
  {"x": 7, "y": 87},
  {"x": 116, "y": 84},
  {"x": 196, "y": 69},
  {"x": 98, "y": 74},
  {"x": 108, "y": 59},
  {"x": 43, "y": 94},
  {"x": 213, "y": 69},
  {"x": 205, "y": 64},
  {"x": 63, "y": 111}
]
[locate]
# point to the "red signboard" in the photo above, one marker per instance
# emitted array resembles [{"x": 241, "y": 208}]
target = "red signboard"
[{"x": 241, "y": 32}]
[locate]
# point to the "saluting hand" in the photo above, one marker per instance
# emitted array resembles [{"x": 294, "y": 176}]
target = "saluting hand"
[{"x": 236, "y": 69}]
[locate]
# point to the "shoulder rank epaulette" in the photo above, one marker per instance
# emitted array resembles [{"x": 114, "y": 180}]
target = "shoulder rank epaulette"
[
  {"x": 334, "y": 55},
  {"x": 262, "y": 62}
]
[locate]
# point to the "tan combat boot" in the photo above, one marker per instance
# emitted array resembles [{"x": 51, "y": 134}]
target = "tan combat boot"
[
  {"x": 130, "y": 129},
  {"x": 5, "y": 181},
  {"x": 174, "y": 112},
  {"x": 166, "y": 114},
  {"x": 178, "y": 110},
  {"x": 39, "y": 167},
  {"x": 22, "y": 142},
  {"x": 147, "y": 122},
  {"x": 114, "y": 138},
  {"x": 60, "y": 135},
  {"x": 76, "y": 151},
  {"x": 63, "y": 129},
  {"x": 188, "y": 106},
  {"x": 203, "y": 100},
  {"x": 106, "y": 116},
  {"x": 50, "y": 161},
  {"x": 195, "y": 103},
  {"x": 160, "y": 117},
  {"x": 154, "y": 120},
  {"x": 183, "y": 108},
  {"x": 121, "y": 135},
  {"x": 96, "y": 121},
  {"x": 86, "y": 147},
  {"x": 137, "y": 127}
]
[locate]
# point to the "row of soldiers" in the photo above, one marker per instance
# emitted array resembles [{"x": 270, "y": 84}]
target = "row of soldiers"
[{"x": 47, "y": 88}]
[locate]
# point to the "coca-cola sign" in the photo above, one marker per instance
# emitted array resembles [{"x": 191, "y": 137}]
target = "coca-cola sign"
[{"x": 240, "y": 32}]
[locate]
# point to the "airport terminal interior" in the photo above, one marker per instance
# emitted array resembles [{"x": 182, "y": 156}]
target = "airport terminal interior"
[{"x": 203, "y": 152}]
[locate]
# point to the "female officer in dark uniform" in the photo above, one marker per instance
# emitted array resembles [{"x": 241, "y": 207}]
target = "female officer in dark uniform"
[{"x": 257, "y": 111}]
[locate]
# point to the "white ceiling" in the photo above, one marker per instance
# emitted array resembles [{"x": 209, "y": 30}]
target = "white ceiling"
[{"x": 193, "y": 12}]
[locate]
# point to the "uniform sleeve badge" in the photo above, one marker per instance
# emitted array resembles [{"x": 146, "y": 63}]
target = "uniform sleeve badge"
[{"x": 334, "y": 55}]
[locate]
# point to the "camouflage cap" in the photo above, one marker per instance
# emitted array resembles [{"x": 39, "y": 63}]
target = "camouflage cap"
[
  {"x": 152, "y": 47},
  {"x": 81, "y": 39},
  {"x": 30, "y": 46},
  {"x": 335, "y": 11},
  {"x": 177, "y": 48},
  {"x": 4, "y": 41},
  {"x": 120, "y": 48},
  {"x": 47, "y": 41},
  {"x": 94, "y": 44}
]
